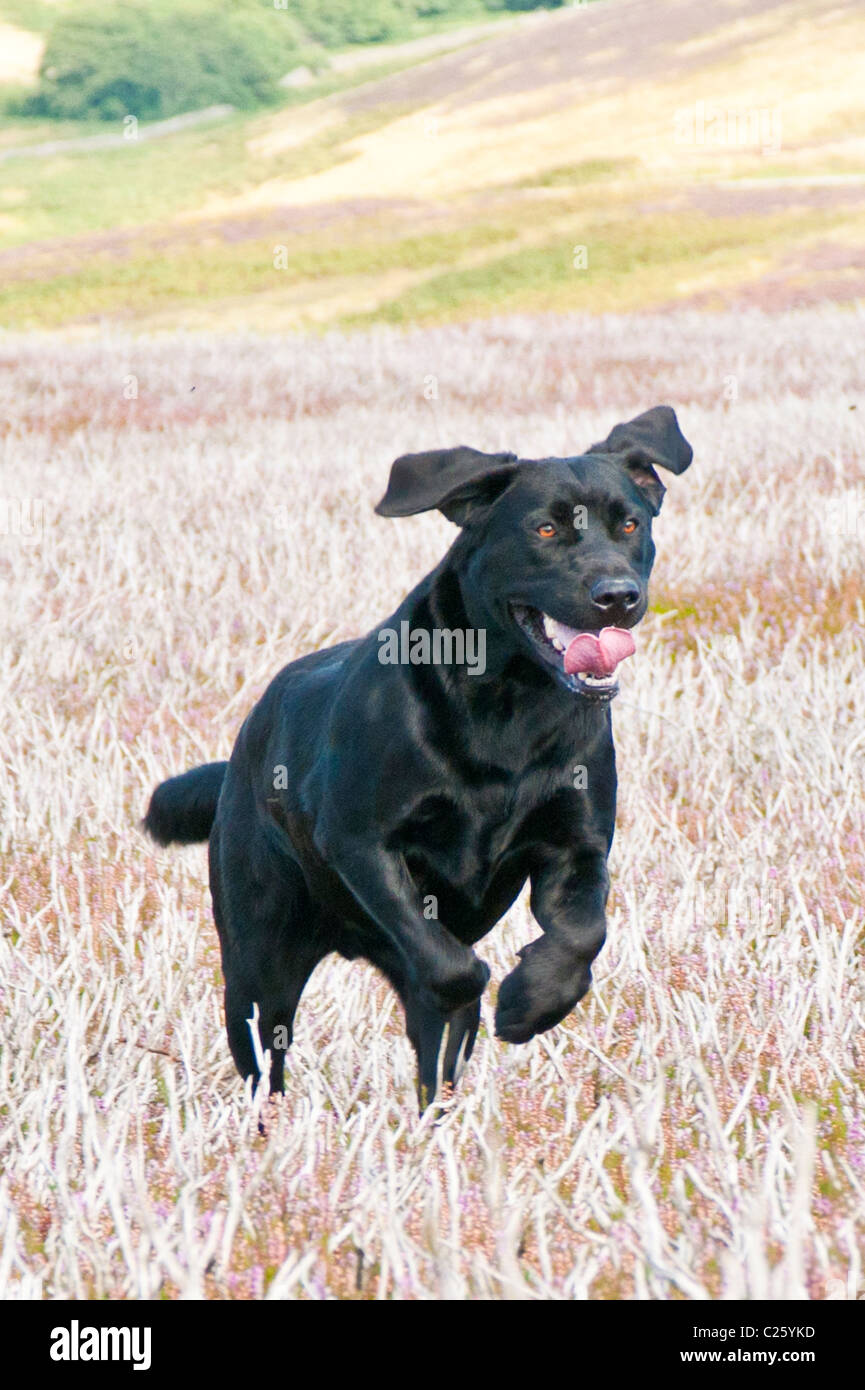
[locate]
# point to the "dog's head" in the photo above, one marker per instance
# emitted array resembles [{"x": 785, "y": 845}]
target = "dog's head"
[{"x": 557, "y": 552}]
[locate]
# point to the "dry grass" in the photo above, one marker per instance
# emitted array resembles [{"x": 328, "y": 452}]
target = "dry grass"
[{"x": 696, "y": 1129}]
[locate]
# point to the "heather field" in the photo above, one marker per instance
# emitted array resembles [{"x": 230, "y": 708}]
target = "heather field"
[{"x": 182, "y": 516}]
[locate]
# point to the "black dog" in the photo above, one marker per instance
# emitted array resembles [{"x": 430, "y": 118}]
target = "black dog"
[{"x": 386, "y": 800}]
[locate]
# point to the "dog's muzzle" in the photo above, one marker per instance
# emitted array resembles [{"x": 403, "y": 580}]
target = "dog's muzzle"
[{"x": 584, "y": 662}]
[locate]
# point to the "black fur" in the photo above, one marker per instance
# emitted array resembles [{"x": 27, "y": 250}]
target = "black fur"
[
  {"x": 181, "y": 810},
  {"x": 394, "y": 812}
]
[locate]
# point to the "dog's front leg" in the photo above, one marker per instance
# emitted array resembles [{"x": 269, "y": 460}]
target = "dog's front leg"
[
  {"x": 568, "y": 901},
  {"x": 434, "y": 963},
  {"x": 427, "y": 1029}
]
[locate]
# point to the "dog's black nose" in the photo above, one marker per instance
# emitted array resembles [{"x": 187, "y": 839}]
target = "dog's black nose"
[{"x": 615, "y": 596}]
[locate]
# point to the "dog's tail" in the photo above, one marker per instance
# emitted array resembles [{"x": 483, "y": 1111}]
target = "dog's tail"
[{"x": 181, "y": 810}]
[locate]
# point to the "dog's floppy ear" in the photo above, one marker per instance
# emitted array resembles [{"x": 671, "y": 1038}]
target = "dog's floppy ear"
[
  {"x": 456, "y": 481},
  {"x": 652, "y": 440}
]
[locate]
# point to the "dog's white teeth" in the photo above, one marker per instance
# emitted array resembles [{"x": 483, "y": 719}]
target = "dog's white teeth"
[
  {"x": 551, "y": 630},
  {"x": 596, "y": 680}
]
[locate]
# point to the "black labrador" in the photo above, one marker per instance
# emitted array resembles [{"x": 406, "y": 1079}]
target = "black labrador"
[{"x": 389, "y": 797}]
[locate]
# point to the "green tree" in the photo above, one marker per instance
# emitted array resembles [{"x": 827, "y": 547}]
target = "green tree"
[{"x": 155, "y": 60}]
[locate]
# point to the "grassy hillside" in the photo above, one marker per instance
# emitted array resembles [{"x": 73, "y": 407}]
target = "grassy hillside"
[{"x": 603, "y": 157}]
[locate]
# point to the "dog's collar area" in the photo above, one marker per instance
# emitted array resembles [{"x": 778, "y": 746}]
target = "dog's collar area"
[{"x": 548, "y": 640}]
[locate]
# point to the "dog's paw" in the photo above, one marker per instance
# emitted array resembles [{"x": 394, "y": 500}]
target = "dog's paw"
[
  {"x": 538, "y": 994},
  {"x": 463, "y": 983}
]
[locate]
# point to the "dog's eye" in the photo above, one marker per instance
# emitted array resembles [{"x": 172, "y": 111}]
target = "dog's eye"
[
  {"x": 630, "y": 526},
  {"x": 547, "y": 530}
]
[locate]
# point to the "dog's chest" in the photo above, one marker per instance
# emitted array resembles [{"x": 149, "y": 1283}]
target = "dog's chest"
[{"x": 470, "y": 852}]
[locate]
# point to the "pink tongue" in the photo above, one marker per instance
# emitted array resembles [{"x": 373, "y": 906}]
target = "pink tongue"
[{"x": 598, "y": 656}]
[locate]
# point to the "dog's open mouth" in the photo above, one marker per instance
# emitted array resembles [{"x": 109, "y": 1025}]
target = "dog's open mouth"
[{"x": 585, "y": 662}]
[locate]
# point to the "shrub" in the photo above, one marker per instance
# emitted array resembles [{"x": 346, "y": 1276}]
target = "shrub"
[
  {"x": 153, "y": 60},
  {"x": 529, "y": 4},
  {"x": 336, "y": 22}
]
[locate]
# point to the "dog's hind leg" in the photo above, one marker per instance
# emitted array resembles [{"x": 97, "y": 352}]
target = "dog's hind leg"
[
  {"x": 277, "y": 1005},
  {"x": 271, "y": 938}
]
